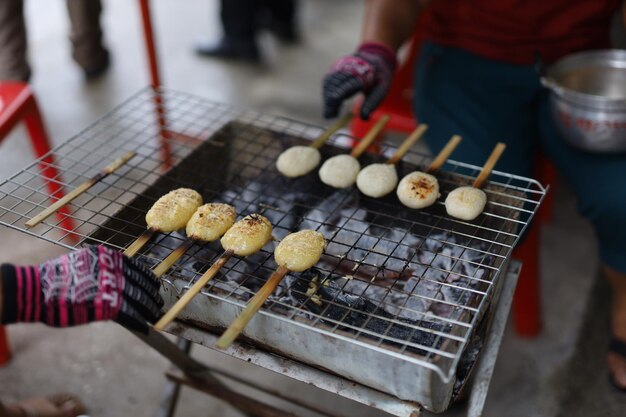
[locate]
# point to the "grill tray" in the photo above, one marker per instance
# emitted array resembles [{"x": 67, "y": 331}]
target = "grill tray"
[{"x": 434, "y": 276}]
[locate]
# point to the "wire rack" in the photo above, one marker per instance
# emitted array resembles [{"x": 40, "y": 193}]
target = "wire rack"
[{"x": 409, "y": 284}]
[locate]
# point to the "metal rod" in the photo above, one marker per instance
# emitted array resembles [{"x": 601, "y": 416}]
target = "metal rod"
[
  {"x": 243, "y": 403},
  {"x": 171, "y": 390}
]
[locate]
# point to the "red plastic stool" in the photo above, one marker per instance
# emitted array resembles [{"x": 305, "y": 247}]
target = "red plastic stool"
[
  {"x": 17, "y": 103},
  {"x": 527, "y": 299},
  {"x": 5, "y": 352}
]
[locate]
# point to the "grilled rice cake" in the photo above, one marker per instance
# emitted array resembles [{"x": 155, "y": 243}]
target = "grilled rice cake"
[
  {"x": 173, "y": 210},
  {"x": 377, "y": 180},
  {"x": 340, "y": 171},
  {"x": 248, "y": 235},
  {"x": 211, "y": 221},
  {"x": 418, "y": 190},
  {"x": 297, "y": 161},
  {"x": 466, "y": 203},
  {"x": 300, "y": 251}
]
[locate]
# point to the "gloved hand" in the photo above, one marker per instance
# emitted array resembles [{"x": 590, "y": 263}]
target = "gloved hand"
[
  {"x": 90, "y": 284},
  {"x": 369, "y": 70}
]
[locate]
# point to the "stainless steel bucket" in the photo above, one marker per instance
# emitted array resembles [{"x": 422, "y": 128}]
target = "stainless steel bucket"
[{"x": 588, "y": 99}]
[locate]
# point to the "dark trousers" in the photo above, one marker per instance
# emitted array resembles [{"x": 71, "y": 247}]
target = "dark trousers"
[
  {"x": 242, "y": 18},
  {"x": 85, "y": 35}
]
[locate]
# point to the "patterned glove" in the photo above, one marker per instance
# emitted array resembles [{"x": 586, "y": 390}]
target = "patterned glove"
[
  {"x": 90, "y": 284},
  {"x": 369, "y": 69}
]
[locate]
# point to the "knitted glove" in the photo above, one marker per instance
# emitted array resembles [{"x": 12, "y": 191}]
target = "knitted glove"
[
  {"x": 369, "y": 70},
  {"x": 90, "y": 284}
]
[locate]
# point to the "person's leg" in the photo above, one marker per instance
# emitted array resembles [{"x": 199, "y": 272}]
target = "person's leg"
[
  {"x": 13, "y": 63},
  {"x": 86, "y": 35},
  {"x": 483, "y": 101},
  {"x": 597, "y": 180},
  {"x": 239, "y": 24},
  {"x": 282, "y": 19}
]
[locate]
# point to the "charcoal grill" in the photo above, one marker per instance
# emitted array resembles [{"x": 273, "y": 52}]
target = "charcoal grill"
[{"x": 400, "y": 290}]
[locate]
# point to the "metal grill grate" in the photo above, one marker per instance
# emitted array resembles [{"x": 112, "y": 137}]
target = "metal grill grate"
[{"x": 410, "y": 284}]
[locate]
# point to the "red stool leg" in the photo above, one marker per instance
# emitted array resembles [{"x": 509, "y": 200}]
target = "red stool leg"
[
  {"x": 527, "y": 299},
  {"x": 39, "y": 139},
  {"x": 155, "y": 81},
  {"x": 5, "y": 352}
]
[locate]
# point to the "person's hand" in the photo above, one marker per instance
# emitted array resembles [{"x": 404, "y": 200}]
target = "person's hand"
[
  {"x": 369, "y": 70},
  {"x": 89, "y": 284}
]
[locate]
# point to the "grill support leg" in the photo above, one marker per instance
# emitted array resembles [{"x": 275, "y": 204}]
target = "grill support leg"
[
  {"x": 171, "y": 390},
  {"x": 487, "y": 361}
]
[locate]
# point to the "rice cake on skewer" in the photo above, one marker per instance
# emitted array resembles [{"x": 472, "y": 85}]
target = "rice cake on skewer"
[
  {"x": 300, "y": 160},
  {"x": 378, "y": 180},
  {"x": 245, "y": 237},
  {"x": 169, "y": 213},
  {"x": 419, "y": 189},
  {"x": 466, "y": 203},
  {"x": 297, "y": 252},
  {"x": 207, "y": 224},
  {"x": 341, "y": 171}
]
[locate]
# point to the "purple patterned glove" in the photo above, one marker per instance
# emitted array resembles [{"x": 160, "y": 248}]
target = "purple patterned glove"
[
  {"x": 90, "y": 284},
  {"x": 369, "y": 70}
]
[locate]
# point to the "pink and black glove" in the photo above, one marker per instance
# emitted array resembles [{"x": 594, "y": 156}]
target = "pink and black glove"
[
  {"x": 369, "y": 70},
  {"x": 90, "y": 284}
]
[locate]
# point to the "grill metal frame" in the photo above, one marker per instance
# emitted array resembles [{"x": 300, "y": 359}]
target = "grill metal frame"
[{"x": 133, "y": 126}]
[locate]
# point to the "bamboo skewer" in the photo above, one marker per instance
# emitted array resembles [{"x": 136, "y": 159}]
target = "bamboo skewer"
[
  {"x": 253, "y": 306},
  {"x": 341, "y": 122},
  {"x": 489, "y": 165},
  {"x": 193, "y": 291},
  {"x": 171, "y": 259},
  {"x": 139, "y": 243},
  {"x": 54, "y": 207},
  {"x": 443, "y": 155},
  {"x": 370, "y": 136},
  {"x": 408, "y": 143}
]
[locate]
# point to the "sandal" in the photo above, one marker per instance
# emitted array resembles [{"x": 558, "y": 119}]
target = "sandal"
[
  {"x": 617, "y": 347},
  {"x": 57, "y": 405}
]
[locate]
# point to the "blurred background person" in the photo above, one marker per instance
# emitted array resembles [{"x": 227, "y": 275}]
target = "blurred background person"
[
  {"x": 242, "y": 20},
  {"x": 86, "y": 36},
  {"x": 478, "y": 80}
]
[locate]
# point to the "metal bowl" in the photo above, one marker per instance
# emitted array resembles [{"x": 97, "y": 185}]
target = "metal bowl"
[{"x": 588, "y": 99}]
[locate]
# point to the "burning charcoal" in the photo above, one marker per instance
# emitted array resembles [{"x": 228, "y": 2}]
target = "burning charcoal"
[{"x": 338, "y": 306}]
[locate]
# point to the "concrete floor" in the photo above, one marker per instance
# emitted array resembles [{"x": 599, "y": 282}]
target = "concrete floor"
[{"x": 559, "y": 373}]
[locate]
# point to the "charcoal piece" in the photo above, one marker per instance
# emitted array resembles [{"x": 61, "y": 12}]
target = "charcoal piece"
[{"x": 338, "y": 306}]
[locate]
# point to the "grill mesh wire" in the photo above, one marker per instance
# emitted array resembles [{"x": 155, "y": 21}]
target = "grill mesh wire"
[{"x": 434, "y": 275}]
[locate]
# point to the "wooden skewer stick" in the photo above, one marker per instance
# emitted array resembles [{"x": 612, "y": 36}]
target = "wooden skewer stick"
[
  {"x": 191, "y": 292},
  {"x": 341, "y": 122},
  {"x": 408, "y": 143},
  {"x": 54, "y": 207},
  {"x": 253, "y": 306},
  {"x": 443, "y": 155},
  {"x": 370, "y": 136},
  {"x": 488, "y": 167},
  {"x": 139, "y": 243},
  {"x": 171, "y": 259}
]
